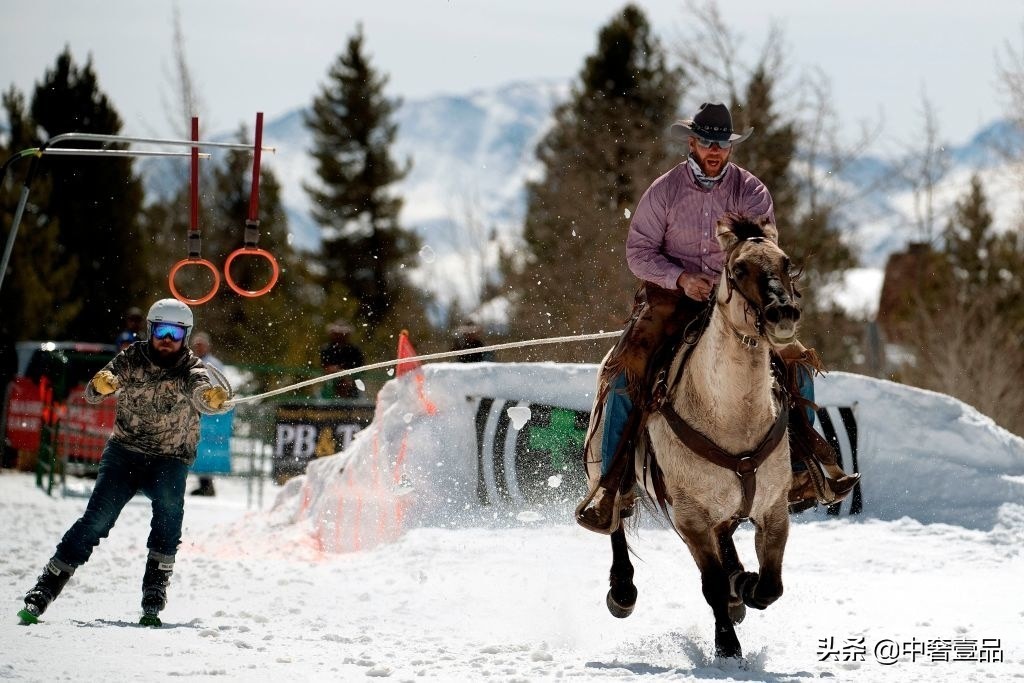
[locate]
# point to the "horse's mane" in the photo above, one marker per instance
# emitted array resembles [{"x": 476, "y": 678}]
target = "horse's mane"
[{"x": 744, "y": 227}]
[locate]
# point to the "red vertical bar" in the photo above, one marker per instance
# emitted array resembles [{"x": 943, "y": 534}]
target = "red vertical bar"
[
  {"x": 254, "y": 196},
  {"x": 194, "y": 218}
]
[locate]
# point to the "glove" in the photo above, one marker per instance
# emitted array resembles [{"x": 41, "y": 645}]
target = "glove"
[
  {"x": 105, "y": 382},
  {"x": 215, "y": 397}
]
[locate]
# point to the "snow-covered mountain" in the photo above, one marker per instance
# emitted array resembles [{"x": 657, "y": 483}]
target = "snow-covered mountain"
[
  {"x": 881, "y": 211},
  {"x": 471, "y": 157},
  {"x": 472, "y": 154}
]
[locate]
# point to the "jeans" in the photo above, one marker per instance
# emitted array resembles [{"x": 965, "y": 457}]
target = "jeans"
[
  {"x": 806, "y": 384},
  {"x": 123, "y": 473},
  {"x": 658, "y": 315},
  {"x": 617, "y": 408}
]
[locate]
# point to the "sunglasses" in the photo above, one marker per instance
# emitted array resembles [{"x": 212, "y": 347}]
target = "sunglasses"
[
  {"x": 168, "y": 331},
  {"x": 704, "y": 143}
]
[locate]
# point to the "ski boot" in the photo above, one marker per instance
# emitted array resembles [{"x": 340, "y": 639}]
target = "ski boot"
[
  {"x": 48, "y": 586},
  {"x": 154, "y": 589}
]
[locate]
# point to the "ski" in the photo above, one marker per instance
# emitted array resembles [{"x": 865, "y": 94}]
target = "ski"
[{"x": 28, "y": 617}]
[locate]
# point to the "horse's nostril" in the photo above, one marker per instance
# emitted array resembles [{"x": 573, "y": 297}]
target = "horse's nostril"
[{"x": 776, "y": 314}]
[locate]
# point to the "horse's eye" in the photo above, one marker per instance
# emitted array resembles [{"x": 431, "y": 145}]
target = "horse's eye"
[{"x": 739, "y": 269}]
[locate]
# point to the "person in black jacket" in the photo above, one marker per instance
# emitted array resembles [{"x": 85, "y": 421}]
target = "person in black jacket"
[
  {"x": 339, "y": 353},
  {"x": 468, "y": 336}
]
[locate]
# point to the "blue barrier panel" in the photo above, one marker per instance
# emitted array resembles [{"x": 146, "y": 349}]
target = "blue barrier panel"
[{"x": 214, "y": 452}]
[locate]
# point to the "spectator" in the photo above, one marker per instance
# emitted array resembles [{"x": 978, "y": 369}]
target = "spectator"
[
  {"x": 202, "y": 346},
  {"x": 125, "y": 339},
  {"x": 339, "y": 353},
  {"x": 132, "y": 331},
  {"x": 469, "y": 336}
]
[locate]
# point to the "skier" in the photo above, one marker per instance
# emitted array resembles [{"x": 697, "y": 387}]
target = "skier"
[{"x": 162, "y": 388}]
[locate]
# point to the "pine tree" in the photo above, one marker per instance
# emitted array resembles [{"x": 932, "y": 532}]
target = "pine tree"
[
  {"x": 969, "y": 242},
  {"x": 966, "y": 330},
  {"x": 986, "y": 265},
  {"x": 37, "y": 286},
  {"x": 770, "y": 151},
  {"x": 97, "y": 201},
  {"x": 365, "y": 248},
  {"x": 607, "y": 144},
  {"x": 806, "y": 229}
]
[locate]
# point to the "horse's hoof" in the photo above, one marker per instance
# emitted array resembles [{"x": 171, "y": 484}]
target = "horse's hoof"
[
  {"x": 726, "y": 643},
  {"x": 740, "y": 582},
  {"x": 620, "y": 610},
  {"x": 737, "y": 613}
]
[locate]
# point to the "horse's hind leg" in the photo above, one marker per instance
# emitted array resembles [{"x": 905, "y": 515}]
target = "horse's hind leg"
[{"x": 622, "y": 594}]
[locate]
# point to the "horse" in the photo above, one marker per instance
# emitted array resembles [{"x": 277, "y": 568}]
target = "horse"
[{"x": 714, "y": 450}]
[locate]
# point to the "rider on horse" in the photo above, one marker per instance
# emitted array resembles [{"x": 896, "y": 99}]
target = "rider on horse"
[{"x": 672, "y": 246}]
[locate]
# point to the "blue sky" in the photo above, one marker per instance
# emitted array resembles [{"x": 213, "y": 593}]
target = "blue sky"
[{"x": 250, "y": 55}]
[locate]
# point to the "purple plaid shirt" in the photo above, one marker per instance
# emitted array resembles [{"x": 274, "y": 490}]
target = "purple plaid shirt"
[{"x": 673, "y": 228}]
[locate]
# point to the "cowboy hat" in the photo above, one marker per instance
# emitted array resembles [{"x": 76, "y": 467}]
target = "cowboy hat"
[{"x": 713, "y": 122}]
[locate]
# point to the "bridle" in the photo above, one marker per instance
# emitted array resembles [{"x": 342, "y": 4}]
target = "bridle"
[{"x": 756, "y": 309}]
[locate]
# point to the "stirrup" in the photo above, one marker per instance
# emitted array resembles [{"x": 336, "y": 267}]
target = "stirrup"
[{"x": 599, "y": 513}]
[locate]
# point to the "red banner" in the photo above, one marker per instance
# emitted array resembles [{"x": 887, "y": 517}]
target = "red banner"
[
  {"x": 24, "y": 414},
  {"x": 84, "y": 427}
]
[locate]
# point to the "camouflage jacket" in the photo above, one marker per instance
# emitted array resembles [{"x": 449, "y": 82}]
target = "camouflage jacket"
[{"x": 157, "y": 408}]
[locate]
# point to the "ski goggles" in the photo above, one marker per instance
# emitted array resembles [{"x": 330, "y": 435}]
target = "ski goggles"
[
  {"x": 168, "y": 331},
  {"x": 704, "y": 143}
]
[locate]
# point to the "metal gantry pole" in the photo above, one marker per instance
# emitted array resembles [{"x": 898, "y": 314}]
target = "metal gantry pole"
[{"x": 47, "y": 149}]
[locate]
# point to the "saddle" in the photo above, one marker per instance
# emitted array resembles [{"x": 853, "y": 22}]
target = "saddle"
[{"x": 817, "y": 476}]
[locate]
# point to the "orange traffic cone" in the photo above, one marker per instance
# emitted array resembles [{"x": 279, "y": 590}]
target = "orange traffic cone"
[{"x": 406, "y": 350}]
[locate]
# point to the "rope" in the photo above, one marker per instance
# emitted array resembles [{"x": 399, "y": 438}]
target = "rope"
[
  {"x": 414, "y": 359},
  {"x": 219, "y": 376}
]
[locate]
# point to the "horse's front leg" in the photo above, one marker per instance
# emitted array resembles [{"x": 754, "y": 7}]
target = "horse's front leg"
[
  {"x": 733, "y": 569},
  {"x": 622, "y": 594},
  {"x": 770, "y": 538},
  {"x": 703, "y": 544}
]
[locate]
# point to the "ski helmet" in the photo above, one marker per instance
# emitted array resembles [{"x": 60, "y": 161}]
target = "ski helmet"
[{"x": 170, "y": 311}]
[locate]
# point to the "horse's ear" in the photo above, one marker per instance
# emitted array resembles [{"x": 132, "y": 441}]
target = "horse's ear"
[
  {"x": 768, "y": 228},
  {"x": 726, "y": 237}
]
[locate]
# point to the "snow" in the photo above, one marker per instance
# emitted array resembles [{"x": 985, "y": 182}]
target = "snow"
[{"x": 420, "y": 581}]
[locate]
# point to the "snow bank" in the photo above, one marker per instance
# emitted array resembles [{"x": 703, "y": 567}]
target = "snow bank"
[{"x": 461, "y": 449}]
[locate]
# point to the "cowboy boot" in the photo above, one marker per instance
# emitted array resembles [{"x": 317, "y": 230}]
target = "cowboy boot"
[
  {"x": 819, "y": 482},
  {"x": 802, "y": 494},
  {"x": 823, "y": 469},
  {"x": 821, "y": 474},
  {"x": 839, "y": 482},
  {"x": 598, "y": 512}
]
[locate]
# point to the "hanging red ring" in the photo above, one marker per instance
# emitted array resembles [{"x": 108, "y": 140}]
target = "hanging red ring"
[
  {"x": 194, "y": 262},
  {"x": 251, "y": 251}
]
